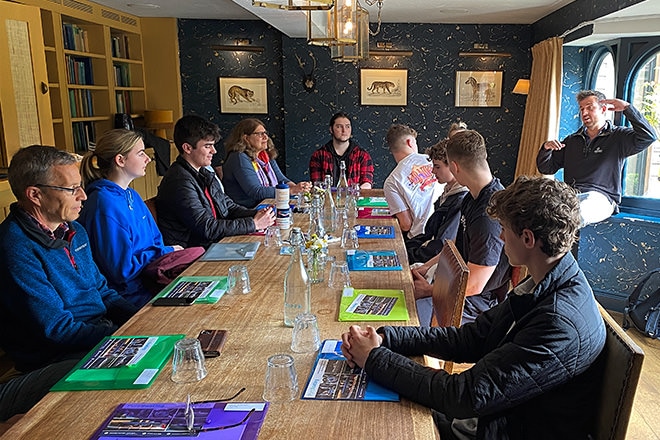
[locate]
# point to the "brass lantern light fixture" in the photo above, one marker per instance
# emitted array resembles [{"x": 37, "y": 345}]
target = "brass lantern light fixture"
[
  {"x": 295, "y": 5},
  {"x": 335, "y": 26}
]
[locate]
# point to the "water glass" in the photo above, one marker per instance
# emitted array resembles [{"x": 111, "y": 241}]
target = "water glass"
[
  {"x": 238, "y": 280},
  {"x": 339, "y": 275},
  {"x": 188, "y": 361},
  {"x": 273, "y": 236},
  {"x": 349, "y": 239},
  {"x": 281, "y": 379},
  {"x": 306, "y": 337}
]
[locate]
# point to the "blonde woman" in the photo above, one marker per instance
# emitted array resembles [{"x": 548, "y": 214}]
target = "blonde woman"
[
  {"x": 122, "y": 232},
  {"x": 250, "y": 172}
]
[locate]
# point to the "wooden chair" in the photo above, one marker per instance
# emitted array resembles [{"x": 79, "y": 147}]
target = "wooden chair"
[
  {"x": 151, "y": 204},
  {"x": 620, "y": 365},
  {"x": 449, "y": 287}
]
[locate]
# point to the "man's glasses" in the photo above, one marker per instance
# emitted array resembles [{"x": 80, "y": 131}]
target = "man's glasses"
[
  {"x": 261, "y": 134},
  {"x": 71, "y": 191},
  {"x": 190, "y": 415}
]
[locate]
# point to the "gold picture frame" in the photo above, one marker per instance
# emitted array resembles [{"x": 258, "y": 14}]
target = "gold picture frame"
[
  {"x": 384, "y": 87},
  {"x": 243, "y": 95},
  {"x": 478, "y": 88}
]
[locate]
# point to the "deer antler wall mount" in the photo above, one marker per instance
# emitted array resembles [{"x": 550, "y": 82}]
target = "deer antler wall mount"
[{"x": 308, "y": 80}]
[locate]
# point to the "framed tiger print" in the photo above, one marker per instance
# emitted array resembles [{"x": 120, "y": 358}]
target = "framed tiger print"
[
  {"x": 478, "y": 88},
  {"x": 384, "y": 87},
  {"x": 243, "y": 95}
]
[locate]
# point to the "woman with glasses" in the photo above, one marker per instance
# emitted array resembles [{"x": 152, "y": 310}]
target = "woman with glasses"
[
  {"x": 126, "y": 243},
  {"x": 250, "y": 171}
]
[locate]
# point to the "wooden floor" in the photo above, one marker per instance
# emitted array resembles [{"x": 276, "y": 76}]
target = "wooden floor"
[{"x": 645, "y": 419}]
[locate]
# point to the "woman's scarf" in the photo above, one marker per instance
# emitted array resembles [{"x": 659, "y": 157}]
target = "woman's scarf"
[{"x": 264, "y": 170}]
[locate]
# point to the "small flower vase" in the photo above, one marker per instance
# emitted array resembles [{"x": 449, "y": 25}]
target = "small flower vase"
[{"x": 316, "y": 259}]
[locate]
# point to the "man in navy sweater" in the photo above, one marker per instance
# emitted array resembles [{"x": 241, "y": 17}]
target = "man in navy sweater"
[
  {"x": 593, "y": 157},
  {"x": 55, "y": 304}
]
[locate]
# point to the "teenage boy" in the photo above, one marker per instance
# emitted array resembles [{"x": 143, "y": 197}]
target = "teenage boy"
[{"x": 531, "y": 354}]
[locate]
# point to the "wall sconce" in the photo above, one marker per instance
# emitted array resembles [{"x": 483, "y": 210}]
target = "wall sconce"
[
  {"x": 295, "y": 5},
  {"x": 240, "y": 45},
  {"x": 481, "y": 50},
  {"x": 521, "y": 87}
]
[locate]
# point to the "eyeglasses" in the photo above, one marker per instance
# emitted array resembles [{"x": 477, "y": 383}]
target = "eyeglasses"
[
  {"x": 190, "y": 415},
  {"x": 71, "y": 191},
  {"x": 261, "y": 134}
]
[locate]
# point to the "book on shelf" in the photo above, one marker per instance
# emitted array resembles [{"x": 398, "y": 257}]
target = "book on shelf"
[
  {"x": 120, "y": 362},
  {"x": 184, "y": 420},
  {"x": 372, "y": 202},
  {"x": 333, "y": 379},
  {"x": 79, "y": 70},
  {"x": 367, "y": 231},
  {"x": 75, "y": 37},
  {"x": 119, "y": 45},
  {"x": 201, "y": 289},
  {"x": 84, "y": 136},
  {"x": 373, "y": 305},
  {"x": 372, "y": 260},
  {"x": 231, "y": 251}
]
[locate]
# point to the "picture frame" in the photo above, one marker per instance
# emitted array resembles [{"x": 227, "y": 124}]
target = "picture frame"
[
  {"x": 478, "y": 88},
  {"x": 384, "y": 87},
  {"x": 243, "y": 95}
]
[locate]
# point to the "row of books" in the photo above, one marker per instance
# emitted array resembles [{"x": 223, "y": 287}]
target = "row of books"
[
  {"x": 119, "y": 45},
  {"x": 81, "y": 103},
  {"x": 75, "y": 37},
  {"x": 79, "y": 70},
  {"x": 122, "y": 75},
  {"x": 84, "y": 137},
  {"x": 123, "y": 101}
]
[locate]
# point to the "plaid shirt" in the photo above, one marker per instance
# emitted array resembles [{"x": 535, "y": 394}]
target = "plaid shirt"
[{"x": 359, "y": 166}]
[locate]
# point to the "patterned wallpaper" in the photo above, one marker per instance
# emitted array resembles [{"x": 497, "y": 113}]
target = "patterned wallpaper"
[{"x": 299, "y": 120}]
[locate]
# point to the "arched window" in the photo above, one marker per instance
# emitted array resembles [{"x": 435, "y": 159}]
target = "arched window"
[
  {"x": 604, "y": 78},
  {"x": 642, "y": 172}
]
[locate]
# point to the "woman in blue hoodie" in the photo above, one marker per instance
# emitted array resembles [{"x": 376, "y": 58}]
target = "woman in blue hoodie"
[{"x": 122, "y": 232}]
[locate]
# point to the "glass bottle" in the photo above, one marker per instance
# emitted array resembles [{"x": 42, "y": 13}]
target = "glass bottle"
[
  {"x": 316, "y": 220},
  {"x": 342, "y": 187},
  {"x": 297, "y": 288},
  {"x": 329, "y": 218}
]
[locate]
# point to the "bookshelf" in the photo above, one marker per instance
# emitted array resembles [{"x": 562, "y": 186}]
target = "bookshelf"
[{"x": 95, "y": 68}]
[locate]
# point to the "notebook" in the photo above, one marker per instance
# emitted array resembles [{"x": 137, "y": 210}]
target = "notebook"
[
  {"x": 372, "y": 202},
  {"x": 231, "y": 251},
  {"x": 372, "y": 260},
  {"x": 333, "y": 379},
  {"x": 170, "y": 420},
  {"x": 373, "y": 305},
  {"x": 373, "y": 212},
  {"x": 198, "y": 289},
  {"x": 120, "y": 362}
]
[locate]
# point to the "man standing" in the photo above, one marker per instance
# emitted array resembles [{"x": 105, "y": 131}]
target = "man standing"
[
  {"x": 411, "y": 188},
  {"x": 478, "y": 238},
  {"x": 532, "y": 354},
  {"x": 325, "y": 160},
  {"x": 593, "y": 157},
  {"x": 55, "y": 304},
  {"x": 191, "y": 207}
]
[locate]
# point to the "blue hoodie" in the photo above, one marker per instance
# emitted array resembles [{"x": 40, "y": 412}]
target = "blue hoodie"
[{"x": 123, "y": 235}]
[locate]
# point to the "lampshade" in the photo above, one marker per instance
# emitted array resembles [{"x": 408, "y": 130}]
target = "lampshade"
[
  {"x": 336, "y": 26},
  {"x": 295, "y": 5},
  {"x": 359, "y": 50},
  {"x": 159, "y": 121},
  {"x": 521, "y": 87}
]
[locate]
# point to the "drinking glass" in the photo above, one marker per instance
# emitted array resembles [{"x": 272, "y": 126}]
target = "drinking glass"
[
  {"x": 188, "y": 361},
  {"x": 273, "y": 236},
  {"x": 238, "y": 280},
  {"x": 305, "y": 337},
  {"x": 349, "y": 239},
  {"x": 281, "y": 379},
  {"x": 339, "y": 275}
]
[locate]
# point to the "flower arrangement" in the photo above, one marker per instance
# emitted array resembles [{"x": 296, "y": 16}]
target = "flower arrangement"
[{"x": 316, "y": 256}]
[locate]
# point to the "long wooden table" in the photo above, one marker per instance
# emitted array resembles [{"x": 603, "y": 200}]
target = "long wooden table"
[{"x": 256, "y": 331}]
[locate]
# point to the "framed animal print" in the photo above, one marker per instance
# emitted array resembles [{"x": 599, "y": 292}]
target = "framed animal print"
[
  {"x": 384, "y": 87},
  {"x": 478, "y": 88},
  {"x": 243, "y": 95}
]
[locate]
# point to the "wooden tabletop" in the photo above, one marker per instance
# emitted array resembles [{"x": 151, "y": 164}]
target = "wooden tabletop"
[{"x": 256, "y": 331}]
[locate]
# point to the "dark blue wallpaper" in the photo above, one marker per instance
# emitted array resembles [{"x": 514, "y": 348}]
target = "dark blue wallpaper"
[{"x": 299, "y": 119}]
